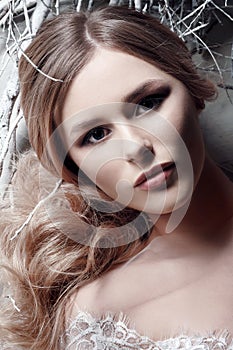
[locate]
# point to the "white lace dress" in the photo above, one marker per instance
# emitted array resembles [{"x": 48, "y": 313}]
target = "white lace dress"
[{"x": 111, "y": 333}]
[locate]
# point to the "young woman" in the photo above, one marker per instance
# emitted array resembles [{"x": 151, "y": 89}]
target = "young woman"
[{"x": 112, "y": 109}]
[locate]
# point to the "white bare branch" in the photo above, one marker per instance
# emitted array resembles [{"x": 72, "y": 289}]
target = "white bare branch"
[
  {"x": 12, "y": 129},
  {"x": 39, "y": 14},
  {"x": 78, "y": 8},
  {"x": 221, "y": 10},
  {"x": 138, "y": 4},
  {"x": 42, "y": 201},
  {"x": 113, "y": 2}
]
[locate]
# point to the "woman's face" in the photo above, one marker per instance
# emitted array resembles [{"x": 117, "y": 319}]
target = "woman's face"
[{"x": 133, "y": 130}]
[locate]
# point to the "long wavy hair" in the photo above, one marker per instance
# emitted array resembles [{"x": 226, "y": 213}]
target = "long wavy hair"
[{"x": 48, "y": 261}]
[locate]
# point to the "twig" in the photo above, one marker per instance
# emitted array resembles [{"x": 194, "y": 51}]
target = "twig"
[
  {"x": 27, "y": 20},
  {"x": 39, "y": 14},
  {"x": 138, "y": 4},
  {"x": 220, "y": 9},
  {"x": 203, "y": 43},
  {"x": 39, "y": 70},
  {"x": 90, "y": 4},
  {"x": 4, "y": 65},
  {"x": 31, "y": 62},
  {"x": 13, "y": 302},
  {"x": 6, "y": 174},
  {"x": 113, "y": 2},
  {"x": 78, "y": 8},
  {"x": 3, "y": 5},
  {"x": 26, "y": 222},
  {"x": 12, "y": 128},
  {"x": 191, "y": 31},
  {"x": 57, "y": 7},
  {"x": 203, "y": 5}
]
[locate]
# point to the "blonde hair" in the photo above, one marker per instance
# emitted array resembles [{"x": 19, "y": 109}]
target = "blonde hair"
[{"x": 46, "y": 263}]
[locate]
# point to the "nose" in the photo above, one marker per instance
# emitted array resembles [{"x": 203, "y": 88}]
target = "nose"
[{"x": 138, "y": 146}]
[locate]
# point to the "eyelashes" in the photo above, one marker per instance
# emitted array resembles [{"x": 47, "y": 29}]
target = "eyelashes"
[
  {"x": 151, "y": 102},
  {"x": 95, "y": 135},
  {"x": 145, "y": 104}
]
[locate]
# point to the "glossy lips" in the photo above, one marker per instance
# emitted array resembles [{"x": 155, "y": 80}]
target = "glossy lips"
[{"x": 155, "y": 177}]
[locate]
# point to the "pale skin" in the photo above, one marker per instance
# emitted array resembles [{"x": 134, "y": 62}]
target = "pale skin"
[{"x": 182, "y": 280}]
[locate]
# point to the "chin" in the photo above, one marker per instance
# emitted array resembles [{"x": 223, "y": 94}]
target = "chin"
[{"x": 165, "y": 201}]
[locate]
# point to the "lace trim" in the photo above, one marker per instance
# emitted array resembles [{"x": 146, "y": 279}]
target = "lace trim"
[{"x": 111, "y": 332}]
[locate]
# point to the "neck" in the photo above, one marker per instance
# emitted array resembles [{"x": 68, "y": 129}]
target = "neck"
[{"x": 210, "y": 208}]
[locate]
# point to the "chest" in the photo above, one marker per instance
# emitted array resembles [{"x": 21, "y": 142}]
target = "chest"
[
  {"x": 206, "y": 304},
  {"x": 186, "y": 294}
]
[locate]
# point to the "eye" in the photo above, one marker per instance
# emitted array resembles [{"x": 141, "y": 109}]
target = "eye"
[
  {"x": 95, "y": 135},
  {"x": 151, "y": 102}
]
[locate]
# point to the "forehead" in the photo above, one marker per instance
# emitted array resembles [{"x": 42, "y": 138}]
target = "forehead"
[{"x": 108, "y": 77}]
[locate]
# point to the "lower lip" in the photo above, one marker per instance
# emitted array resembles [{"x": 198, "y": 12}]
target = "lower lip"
[{"x": 157, "y": 181}]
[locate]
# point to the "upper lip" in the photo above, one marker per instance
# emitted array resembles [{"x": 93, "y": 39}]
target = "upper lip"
[{"x": 156, "y": 169}]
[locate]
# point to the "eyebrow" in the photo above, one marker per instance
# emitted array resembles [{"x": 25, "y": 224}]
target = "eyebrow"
[
  {"x": 142, "y": 88},
  {"x": 85, "y": 125},
  {"x": 132, "y": 97}
]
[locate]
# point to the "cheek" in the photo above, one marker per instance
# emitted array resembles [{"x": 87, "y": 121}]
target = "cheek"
[
  {"x": 111, "y": 180},
  {"x": 190, "y": 132},
  {"x": 109, "y": 176},
  {"x": 103, "y": 167}
]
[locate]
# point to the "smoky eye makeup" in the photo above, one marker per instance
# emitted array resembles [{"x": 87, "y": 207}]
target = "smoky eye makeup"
[
  {"x": 92, "y": 129},
  {"x": 151, "y": 100},
  {"x": 95, "y": 135},
  {"x": 147, "y": 97}
]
